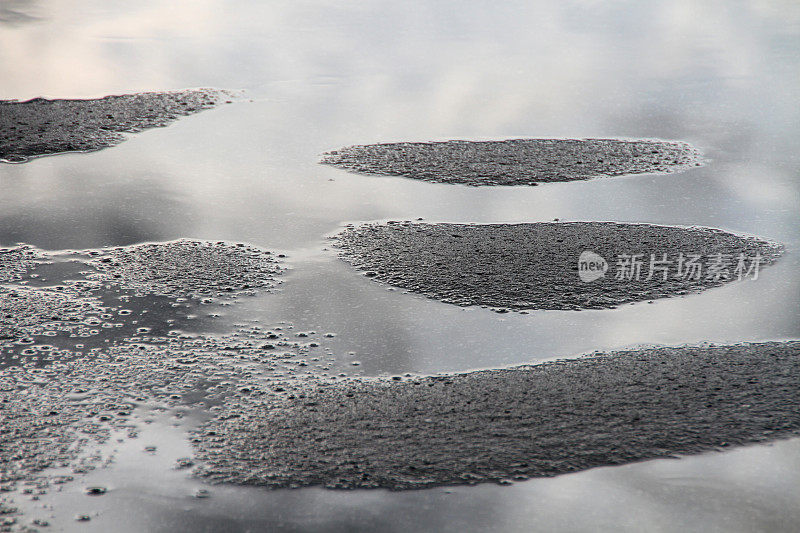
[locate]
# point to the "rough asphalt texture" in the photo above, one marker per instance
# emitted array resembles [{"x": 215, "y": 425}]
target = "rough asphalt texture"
[
  {"x": 503, "y": 425},
  {"x": 44, "y": 127},
  {"x": 17, "y": 260},
  {"x": 188, "y": 268},
  {"x": 515, "y": 161},
  {"x": 535, "y": 266}
]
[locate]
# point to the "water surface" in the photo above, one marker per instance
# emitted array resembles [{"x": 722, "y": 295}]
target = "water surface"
[{"x": 723, "y": 77}]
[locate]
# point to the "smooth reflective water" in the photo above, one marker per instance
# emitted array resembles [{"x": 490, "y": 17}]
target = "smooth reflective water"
[{"x": 722, "y": 76}]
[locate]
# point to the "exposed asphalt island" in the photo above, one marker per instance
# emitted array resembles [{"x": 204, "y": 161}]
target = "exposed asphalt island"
[
  {"x": 45, "y": 127},
  {"x": 535, "y": 266},
  {"x": 513, "y": 424},
  {"x": 187, "y": 268},
  {"x": 515, "y": 161}
]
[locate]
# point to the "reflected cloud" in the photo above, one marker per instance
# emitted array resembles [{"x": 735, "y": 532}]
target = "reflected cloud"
[
  {"x": 18, "y": 12},
  {"x": 327, "y": 298},
  {"x": 58, "y": 211},
  {"x": 720, "y": 75}
]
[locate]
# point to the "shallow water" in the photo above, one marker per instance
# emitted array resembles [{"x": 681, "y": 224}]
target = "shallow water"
[{"x": 319, "y": 77}]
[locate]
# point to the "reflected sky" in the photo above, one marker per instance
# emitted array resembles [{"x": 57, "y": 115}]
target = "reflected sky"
[
  {"x": 69, "y": 208},
  {"x": 723, "y": 76},
  {"x": 17, "y": 12}
]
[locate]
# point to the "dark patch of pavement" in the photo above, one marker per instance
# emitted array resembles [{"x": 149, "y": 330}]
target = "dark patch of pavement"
[
  {"x": 513, "y": 424},
  {"x": 187, "y": 268},
  {"x": 536, "y": 265},
  {"x": 41, "y": 127},
  {"x": 515, "y": 161}
]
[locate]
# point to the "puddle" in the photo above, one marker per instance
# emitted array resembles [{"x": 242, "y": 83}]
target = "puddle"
[
  {"x": 321, "y": 77},
  {"x": 740, "y": 490}
]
